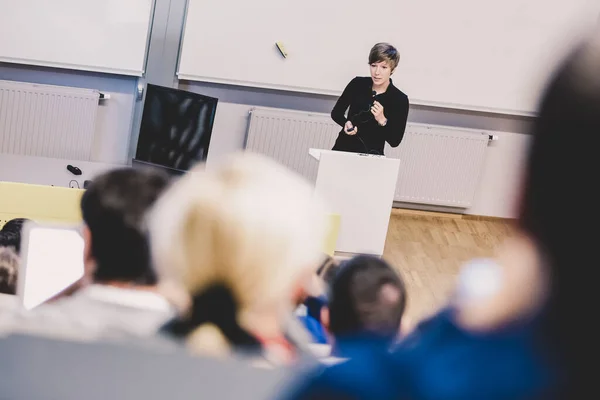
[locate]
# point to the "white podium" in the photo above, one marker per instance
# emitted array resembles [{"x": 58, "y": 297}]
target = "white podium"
[{"x": 360, "y": 188}]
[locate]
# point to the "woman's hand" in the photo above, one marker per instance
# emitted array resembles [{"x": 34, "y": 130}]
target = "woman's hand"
[
  {"x": 377, "y": 111},
  {"x": 350, "y": 129}
]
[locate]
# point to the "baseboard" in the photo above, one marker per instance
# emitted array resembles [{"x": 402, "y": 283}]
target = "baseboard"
[
  {"x": 423, "y": 213},
  {"x": 441, "y": 212},
  {"x": 428, "y": 208},
  {"x": 486, "y": 218}
]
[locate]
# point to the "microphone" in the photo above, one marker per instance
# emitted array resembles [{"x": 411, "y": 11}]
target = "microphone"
[{"x": 374, "y": 94}]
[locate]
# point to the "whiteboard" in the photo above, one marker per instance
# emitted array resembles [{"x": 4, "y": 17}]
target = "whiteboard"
[
  {"x": 468, "y": 54},
  {"x": 95, "y": 35}
]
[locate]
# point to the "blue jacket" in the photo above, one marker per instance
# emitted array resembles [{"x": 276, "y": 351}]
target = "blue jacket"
[{"x": 440, "y": 360}]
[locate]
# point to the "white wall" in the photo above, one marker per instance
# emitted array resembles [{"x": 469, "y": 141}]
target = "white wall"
[
  {"x": 49, "y": 171},
  {"x": 469, "y": 54},
  {"x": 229, "y": 131},
  {"x": 499, "y": 186},
  {"x": 118, "y": 118}
]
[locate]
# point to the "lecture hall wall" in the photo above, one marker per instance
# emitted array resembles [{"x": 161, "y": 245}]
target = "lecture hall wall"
[{"x": 119, "y": 117}]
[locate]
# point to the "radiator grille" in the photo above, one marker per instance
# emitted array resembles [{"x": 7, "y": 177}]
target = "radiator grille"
[
  {"x": 47, "y": 121},
  {"x": 438, "y": 165}
]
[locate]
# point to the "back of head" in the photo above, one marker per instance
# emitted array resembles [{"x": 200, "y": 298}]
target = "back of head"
[
  {"x": 367, "y": 297},
  {"x": 561, "y": 180},
  {"x": 114, "y": 209},
  {"x": 321, "y": 281},
  {"x": 328, "y": 270},
  {"x": 249, "y": 225},
  {"x": 10, "y": 235},
  {"x": 11, "y": 240},
  {"x": 9, "y": 270},
  {"x": 316, "y": 298},
  {"x": 14, "y": 225}
]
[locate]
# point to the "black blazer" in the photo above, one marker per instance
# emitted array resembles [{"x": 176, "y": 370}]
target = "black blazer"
[{"x": 371, "y": 137}]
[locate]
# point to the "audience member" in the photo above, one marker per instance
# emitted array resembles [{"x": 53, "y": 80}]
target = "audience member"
[
  {"x": 10, "y": 240},
  {"x": 327, "y": 271},
  {"x": 367, "y": 299},
  {"x": 524, "y": 338},
  {"x": 313, "y": 301},
  {"x": 10, "y": 234},
  {"x": 9, "y": 270},
  {"x": 119, "y": 296},
  {"x": 243, "y": 239},
  {"x": 114, "y": 210},
  {"x": 365, "y": 303},
  {"x": 15, "y": 225}
]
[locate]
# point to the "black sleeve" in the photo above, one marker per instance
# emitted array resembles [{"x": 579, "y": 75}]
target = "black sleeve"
[
  {"x": 338, "y": 114},
  {"x": 396, "y": 125}
]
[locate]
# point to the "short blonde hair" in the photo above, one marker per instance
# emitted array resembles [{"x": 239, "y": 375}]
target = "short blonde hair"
[
  {"x": 249, "y": 224},
  {"x": 384, "y": 52}
]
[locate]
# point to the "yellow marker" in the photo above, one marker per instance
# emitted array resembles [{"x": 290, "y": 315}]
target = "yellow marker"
[{"x": 281, "y": 49}]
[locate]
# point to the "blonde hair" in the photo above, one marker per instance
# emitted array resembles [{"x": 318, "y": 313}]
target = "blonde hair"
[
  {"x": 249, "y": 224},
  {"x": 384, "y": 52}
]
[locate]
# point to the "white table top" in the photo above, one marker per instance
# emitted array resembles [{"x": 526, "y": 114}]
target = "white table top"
[{"x": 48, "y": 171}]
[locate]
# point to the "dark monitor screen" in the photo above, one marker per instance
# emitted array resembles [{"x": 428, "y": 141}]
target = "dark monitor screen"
[{"x": 176, "y": 127}]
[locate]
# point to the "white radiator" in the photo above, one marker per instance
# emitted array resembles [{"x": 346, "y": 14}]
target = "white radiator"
[
  {"x": 439, "y": 165},
  {"x": 47, "y": 121}
]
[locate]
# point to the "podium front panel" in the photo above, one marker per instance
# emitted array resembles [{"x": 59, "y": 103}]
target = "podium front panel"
[{"x": 360, "y": 188}]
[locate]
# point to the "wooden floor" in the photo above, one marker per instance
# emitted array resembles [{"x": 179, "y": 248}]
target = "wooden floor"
[{"x": 429, "y": 248}]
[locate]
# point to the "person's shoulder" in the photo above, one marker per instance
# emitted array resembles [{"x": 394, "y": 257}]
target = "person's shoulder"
[
  {"x": 50, "y": 320},
  {"x": 361, "y": 81},
  {"x": 398, "y": 94},
  {"x": 361, "y": 377},
  {"x": 364, "y": 79},
  {"x": 431, "y": 353}
]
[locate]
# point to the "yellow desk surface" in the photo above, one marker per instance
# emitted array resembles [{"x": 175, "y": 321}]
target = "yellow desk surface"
[
  {"x": 61, "y": 205},
  {"x": 40, "y": 203}
]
